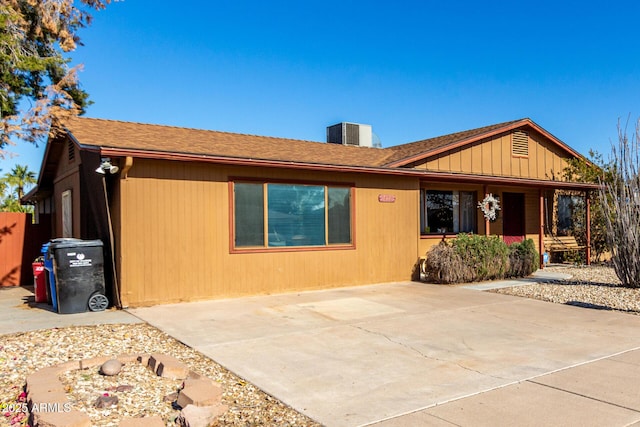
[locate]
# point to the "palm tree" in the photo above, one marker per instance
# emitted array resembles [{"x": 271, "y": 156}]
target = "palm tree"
[
  {"x": 19, "y": 178},
  {"x": 12, "y": 188}
]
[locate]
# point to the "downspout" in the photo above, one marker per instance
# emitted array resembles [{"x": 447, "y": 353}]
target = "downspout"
[{"x": 128, "y": 163}]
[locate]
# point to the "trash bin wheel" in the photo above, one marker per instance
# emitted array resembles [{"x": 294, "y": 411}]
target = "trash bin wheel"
[{"x": 98, "y": 302}]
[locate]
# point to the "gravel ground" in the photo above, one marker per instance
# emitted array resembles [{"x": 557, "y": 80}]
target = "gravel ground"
[
  {"x": 24, "y": 353},
  {"x": 595, "y": 286}
]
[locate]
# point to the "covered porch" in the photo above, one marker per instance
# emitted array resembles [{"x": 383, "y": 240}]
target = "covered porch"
[{"x": 514, "y": 209}]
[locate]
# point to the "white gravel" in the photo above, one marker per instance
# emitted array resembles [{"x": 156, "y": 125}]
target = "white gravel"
[
  {"x": 595, "y": 286},
  {"x": 24, "y": 353}
]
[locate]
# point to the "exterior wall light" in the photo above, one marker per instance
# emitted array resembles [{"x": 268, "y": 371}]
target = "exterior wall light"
[{"x": 106, "y": 166}]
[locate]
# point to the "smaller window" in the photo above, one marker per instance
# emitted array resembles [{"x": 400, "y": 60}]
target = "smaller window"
[
  {"x": 448, "y": 211},
  {"x": 570, "y": 213},
  {"x": 67, "y": 214},
  {"x": 520, "y": 143}
]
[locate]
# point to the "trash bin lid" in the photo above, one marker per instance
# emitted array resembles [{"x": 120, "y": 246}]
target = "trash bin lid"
[
  {"x": 50, "y": 244},
  {"x": 74, "y": 243}
]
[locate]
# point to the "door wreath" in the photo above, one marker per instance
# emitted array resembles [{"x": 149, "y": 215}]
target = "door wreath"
[{"x": 490, "y": 207}]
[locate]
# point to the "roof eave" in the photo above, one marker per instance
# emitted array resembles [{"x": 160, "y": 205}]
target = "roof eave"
[{"x": 422, "y": 174}]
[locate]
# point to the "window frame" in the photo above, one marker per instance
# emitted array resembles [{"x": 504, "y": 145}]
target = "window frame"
[
  {"x": 266, "y": 248},
  {"x": 66, "y": 208},
  {"x": 424, "y": 212}
]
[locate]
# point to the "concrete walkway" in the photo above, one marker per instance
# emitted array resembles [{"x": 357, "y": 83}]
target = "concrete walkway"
[
  {"x": 406, "y": 354},
  {"x": 539, "y": 276},
  {"x": 19, "y": 313}
]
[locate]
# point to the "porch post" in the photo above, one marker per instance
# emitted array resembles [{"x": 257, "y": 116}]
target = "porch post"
[
  {"x": 541, "y": 233},
  {"x": 487, "y": 230},
  {"x": 588, "y": 225}
]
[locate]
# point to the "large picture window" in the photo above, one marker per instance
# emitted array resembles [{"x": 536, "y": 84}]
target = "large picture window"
[
  {"x": 447, "y": 211},
  {"x": 277, "y": 215}
]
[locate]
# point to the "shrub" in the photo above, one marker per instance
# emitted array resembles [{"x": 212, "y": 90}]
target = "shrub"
[
  {"x": 472, "y": 258},
  {"x": 488, "y": 256},
  {"x": 523, "y": 259},
  {"x": 468, "y": 258},
  {"x": 444, "y": 265}
]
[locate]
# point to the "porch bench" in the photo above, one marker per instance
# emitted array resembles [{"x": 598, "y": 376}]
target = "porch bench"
[{"x": 561, "y": 244}]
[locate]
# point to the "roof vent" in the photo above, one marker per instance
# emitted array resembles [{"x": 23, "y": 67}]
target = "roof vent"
[
  {"x": 520, "y": 143},
  {"x": 352, "y": 134}
]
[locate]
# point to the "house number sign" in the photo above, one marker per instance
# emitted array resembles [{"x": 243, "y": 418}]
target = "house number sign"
[{"x": 386, "y": 198}]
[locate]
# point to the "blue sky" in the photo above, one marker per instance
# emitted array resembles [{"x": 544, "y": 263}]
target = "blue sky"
[{"x": 411, "y": 69}]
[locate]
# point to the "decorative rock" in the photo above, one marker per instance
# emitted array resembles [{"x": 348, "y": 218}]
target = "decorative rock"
[
  {"x": 154, "y": 421},
  {"x": 202, "y": 392},
  {"x": 37, "y": 397},
  {"x": 120, "y": 388},
  {"x": 193, "y": 375},
  {"x": 44, "y": 384},
  {"x": 167, "y": 366},
  {"x": 154, "y": 360},
  {"x": 144, "y": 359},
  {"x": 111, "y": 367},
  {"x": 72, "y": 418},
  {"x": 171, "y": 397},
  {"x": 106, "y": 401},
  {"x": 174, "y": 370},
  {"x": 93, "y": 362},
  {"x": 47, "y": 375},
  {"x": 200, "y": 416},
  {"x": 71, "y": 365},
  {"x": 128, "y": 358}
]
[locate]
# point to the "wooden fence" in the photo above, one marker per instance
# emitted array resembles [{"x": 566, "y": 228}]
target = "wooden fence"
[{"x": 20, "y": 243}]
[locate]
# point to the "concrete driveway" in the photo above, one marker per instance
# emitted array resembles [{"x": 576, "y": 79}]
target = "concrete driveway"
[
  {"x": 18, "y": 313},
  {"x": 416, "y": 354}
]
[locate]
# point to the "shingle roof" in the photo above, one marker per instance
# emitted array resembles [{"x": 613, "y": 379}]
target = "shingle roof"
[
  {"x": 425, "y": 146},
  {"x": 168, "y": 139},
  {"x": 137, "y": 137}
]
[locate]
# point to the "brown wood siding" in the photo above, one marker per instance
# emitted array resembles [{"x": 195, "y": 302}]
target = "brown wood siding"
[
  {"x": 69, "y": 181},
  {"x": 174, "y": 236},
  {"x": 494, "y": 157},
  {"x": 67, "y": 177}
]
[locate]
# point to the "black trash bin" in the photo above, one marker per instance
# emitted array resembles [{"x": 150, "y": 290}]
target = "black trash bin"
[
  {"x": 79, "y": 275},
  {"x": 50, "y": 277}
]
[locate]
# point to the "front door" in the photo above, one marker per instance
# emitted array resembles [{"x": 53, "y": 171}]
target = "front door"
[{"x": 513, "y": 217}]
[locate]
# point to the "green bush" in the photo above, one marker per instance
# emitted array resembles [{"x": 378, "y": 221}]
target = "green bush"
[
  {"x": 487, "y": 256},
  {"x": 523, "y": 259},
  {"x": 473, "y": 258}
]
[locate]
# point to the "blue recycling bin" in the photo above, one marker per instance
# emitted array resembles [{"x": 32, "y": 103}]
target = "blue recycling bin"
[{"x": 49, "y": 277}]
